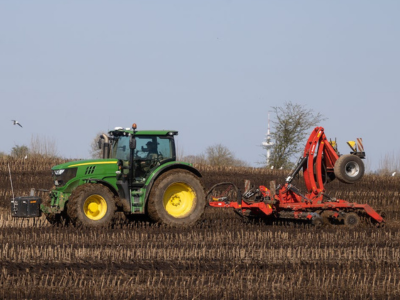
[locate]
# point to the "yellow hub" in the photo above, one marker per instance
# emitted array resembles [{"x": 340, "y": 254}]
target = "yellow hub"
[
  {"x": 95, "y": 207},
  {"x": 179, "y": 200}
]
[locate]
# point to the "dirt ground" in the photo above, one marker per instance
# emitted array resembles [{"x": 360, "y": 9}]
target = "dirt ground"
[{"x": 221, "y": 257}]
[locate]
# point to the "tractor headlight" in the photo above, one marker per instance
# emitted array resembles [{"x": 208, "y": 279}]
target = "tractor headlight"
[
  {"x": 59, "y": 172},
  {"x": 62, "y": 176}
]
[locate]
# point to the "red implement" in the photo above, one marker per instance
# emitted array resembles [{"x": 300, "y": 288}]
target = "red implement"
[{"x": 320, "y": 163}]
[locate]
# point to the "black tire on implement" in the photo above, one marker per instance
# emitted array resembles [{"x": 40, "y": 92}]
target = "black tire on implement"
[
  {"x": 91, "y": 205},
  {"x": 351, "y": 220},
  {"x": 176, "y": 199},
  {"x": 327, "y": 177},
  {"x": 349, "y": 168}
]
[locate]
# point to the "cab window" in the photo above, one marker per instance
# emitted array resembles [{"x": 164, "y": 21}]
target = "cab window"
[{"x": 147, "y": 147}]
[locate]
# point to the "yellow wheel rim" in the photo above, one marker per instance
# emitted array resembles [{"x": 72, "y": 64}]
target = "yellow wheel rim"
[
  {"x": 179, "y": 200},
  {"x": 95, "y": 207}
]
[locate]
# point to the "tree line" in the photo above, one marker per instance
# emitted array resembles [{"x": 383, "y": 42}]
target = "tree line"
[
  {"x": 291, "y": 124},
  {"x": 39, "y": 146},
  {"x": 290, "y": 127}
]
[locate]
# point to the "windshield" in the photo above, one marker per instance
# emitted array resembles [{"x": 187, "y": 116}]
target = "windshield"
[
  {"x": 121, "y": 149},
  {"x": 146, "y": 148}
]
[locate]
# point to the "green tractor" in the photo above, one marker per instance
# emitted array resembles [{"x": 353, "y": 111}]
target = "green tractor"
[{"x": 138, "y": 175}]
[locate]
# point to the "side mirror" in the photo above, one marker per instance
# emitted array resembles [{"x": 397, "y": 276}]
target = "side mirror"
[{"x": 132, "y": 142}]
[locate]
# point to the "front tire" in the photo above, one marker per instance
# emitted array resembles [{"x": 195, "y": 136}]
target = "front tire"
[
  {"x": 91, "y": 205},
  {"x": 176, "y": 199}
]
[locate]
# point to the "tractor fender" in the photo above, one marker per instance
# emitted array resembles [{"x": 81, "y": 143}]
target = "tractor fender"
[{"x": 165, "y": 168}]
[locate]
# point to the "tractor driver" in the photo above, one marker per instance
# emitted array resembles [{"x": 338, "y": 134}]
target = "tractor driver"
[
  {"x": 152, "y": 150},
  {"x": 152, "y": 157},
  {"x": 148, "y": 162}
]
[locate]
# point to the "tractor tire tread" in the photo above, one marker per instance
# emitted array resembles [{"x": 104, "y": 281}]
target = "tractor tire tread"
[
  {"x": 340, "y": 172},
  {"x": 74, "y": 205},
  {"x": 156, "y": 211}
]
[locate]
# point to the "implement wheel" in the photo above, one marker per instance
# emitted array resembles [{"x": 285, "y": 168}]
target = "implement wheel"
[
  {"x": 383, "y": 215},
  {"x": 318, "y": 222},
  {"x": 349, "y": 168},
  {"x": 351, "y": 220},
  {"x": 91, "y": 205},
  {"x": 176, "y": 199}
]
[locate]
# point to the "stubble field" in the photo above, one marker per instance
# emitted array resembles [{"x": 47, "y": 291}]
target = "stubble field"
[{"x": 219, "y": 258}]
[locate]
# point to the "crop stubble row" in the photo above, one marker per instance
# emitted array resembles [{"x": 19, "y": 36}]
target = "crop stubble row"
[
  {"x": 219, "y": 258},
  {"x": 152, "y": 261}
]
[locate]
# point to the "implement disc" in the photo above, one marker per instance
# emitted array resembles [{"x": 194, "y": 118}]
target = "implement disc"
[{"x": 351, "y": 220}]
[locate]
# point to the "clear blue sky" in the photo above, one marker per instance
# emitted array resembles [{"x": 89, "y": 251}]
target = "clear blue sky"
[{"x": 209, "y": 69}]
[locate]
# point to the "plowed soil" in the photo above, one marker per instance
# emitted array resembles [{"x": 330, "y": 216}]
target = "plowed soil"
[{"x": 221, "y": 257}]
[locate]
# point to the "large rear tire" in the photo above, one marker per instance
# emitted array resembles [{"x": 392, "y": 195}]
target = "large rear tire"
[
  {"x": 349, "y": 168},
  {"x": 91, "y": 205},
  {"x": 176, "y": 199}
]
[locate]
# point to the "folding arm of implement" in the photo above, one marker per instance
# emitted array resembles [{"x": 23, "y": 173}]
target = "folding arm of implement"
[
  {"x": 319, "y": 155},
  {"x": 320, "y": 163}
]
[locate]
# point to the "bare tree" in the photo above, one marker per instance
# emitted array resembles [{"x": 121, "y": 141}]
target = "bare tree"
[
  {"x": 240, "y": 163},
  {"x": 191, "y": 158},
  {"x": 43, "y": 146},
  {"x": 179, "y": 152},
  {"x": 290, "y": 131},
  {"x": 389, "y": 163},
  {"x": 219, "y": 155},
  {"x": 194, "y": 159}
]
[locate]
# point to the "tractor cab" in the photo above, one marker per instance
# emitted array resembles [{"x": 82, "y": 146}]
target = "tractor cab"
[
  {"x": 150, "y": 150},
  {"x": 141, "y": 156}
]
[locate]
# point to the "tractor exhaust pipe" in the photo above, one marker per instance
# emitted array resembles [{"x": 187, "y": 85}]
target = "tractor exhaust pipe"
[{"x": 104, "y": 145}]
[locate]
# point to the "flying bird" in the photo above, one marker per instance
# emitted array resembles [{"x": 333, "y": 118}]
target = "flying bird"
[
  {"x": 16, "y": 123},
  {"x": 394, "y": 173}
]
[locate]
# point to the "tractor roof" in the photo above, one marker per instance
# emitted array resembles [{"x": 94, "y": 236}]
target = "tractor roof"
[
  {"x": 125, "y": 131},
  {"x": 156, "y": 132}
]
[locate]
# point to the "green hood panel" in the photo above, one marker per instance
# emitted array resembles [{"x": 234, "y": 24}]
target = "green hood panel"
[
  {"x": 83, "y": 163},
  {"x": 101, "y": 169}
]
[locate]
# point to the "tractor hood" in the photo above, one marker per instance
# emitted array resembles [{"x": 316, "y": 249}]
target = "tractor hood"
[
  {"x": 72, "y": 173},
  {"x": 84, "y": 163}
]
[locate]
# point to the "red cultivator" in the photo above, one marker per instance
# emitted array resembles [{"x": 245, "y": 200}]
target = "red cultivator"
[{"x": 320, "y": 163}]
